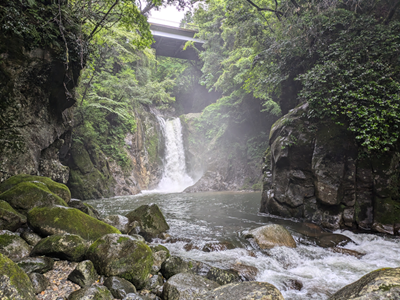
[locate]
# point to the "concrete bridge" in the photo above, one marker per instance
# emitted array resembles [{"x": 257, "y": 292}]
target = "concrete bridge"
[{"x": 169, "y": 41}]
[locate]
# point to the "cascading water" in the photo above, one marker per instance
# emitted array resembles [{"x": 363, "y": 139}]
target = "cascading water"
[{"x": 174, "y": 179}]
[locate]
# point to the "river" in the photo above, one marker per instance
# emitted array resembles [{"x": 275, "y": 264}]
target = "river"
[{"x": 224, "y": 216}]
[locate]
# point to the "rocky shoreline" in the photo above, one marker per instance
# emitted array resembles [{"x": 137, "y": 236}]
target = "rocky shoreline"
[{"x": 55, "y": 247}]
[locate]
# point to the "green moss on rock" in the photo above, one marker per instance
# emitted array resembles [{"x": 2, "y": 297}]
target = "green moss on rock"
[
  {"x": 14, "y": 283},
  {"x": 10, "y": 219},
  {"x": 60, "y": 220},
  {"x": 13, "y": 246}
]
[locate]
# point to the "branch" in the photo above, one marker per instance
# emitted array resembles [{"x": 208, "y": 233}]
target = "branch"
[
  {"x": 277, "y": 12},
  {"x": 104, "y": 17},
  {"x": 147, "y": 8}
]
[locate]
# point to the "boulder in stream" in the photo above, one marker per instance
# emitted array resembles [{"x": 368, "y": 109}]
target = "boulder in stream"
[
  {"x": 272, "y": 235},
  {"x": 175, "y": 265},
  {"x": 223, "y": 277}
]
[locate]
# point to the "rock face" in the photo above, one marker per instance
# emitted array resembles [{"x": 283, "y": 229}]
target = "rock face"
[
  {"x": 312, "y": 171},
  {"x": 14, "y": 283},
  {"x": 379, "y": 284},
  {"x": 60, "y": 220},
  {"x": 122, "y": 256},
  {"x": 272, "y": 235}
]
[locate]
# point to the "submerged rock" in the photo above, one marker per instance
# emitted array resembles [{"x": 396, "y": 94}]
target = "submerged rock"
[
  {"x": 60, "y": 220},
  {"x": 10, "y": 219},
  {"x": 84, "y": 274},
  {"x": 332, "y": 240},
  {"x": 12, "y": 246},
  {"x": 122, "y": 256},
  {"x": 119, "y": 287},
  {"x": 150, "y": 219},
  {"x": 14, "y": 283},
  {"x": 244, "y": 291},
  {"x": 379, "y": 284},
  {"x": 186, "y": 286},
  {"x": 88, "y": 293},
  {"x": 272, "y": 235}
]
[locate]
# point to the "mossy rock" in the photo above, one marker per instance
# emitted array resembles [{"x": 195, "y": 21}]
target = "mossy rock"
[
  {"x": 150, "y": 219},
  {"x": 68, "y": 246},
  {"x": 60, "y": 220},
  {"x": 56, "y": 188},
  {"x": 122, "y": 256},
  {"x": 36, "y": 264},
  {"x": 223, "y": 277},
  {"x": 27, "y": 195},
  {"x": 14, "y": 283},
  {"x": 12, "y": 246},
  {"x": 10, "y": 219},
  {"x": 84, "y": 274},
  {"x": 84, "y": 207},
  {"x": 175, "y": 265},
  {"x": 95, "y": 293}
]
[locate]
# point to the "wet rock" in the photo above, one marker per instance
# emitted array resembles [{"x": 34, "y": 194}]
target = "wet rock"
[
  {"x": 12, "y": 246},
  {"x": 31, "y": 238},
  {"x": 154, "y": 283},
  {"x": 84, "y": 274},
  {"x": 186, "y": 286},
  {"x": 60, "y": 220},
  {"x": 223, "y": 277},
  {"x": 347, "y": 252},
  {"x": 151, "y": 220},
  {"x": 221, "y": 246},
  {"x": 293, "y": 284},
  {"x": 122, "y": 256},
  {"x": 85, "y": 208},
  {"x": 160, "y": 254},
  {"x": 39, "y": 282},
  {"x": 14, "y": 283},
  {"x": 132, "y": 296},
  {"x": 199, "y": 268},
  {"x": 175, "y": 265},
  {"x": 246, "y": 273},
  {"x": 272, "y": 235},
  {"x": 36, "y": 264},
  {"x": 332, "y": 240},
  {"x": 10, "y": 219},
  {"x": 119, "y": 222},
  {"x": 379, "y": 284},
  {"x": 88, "y": 293},
  {"x": 137, "y": 237},
  {"x": 191, "y": 246},
  {"x": 68, "y": 246},
  {"x": 119, "y": 287},
  {"x": 244, "y": 291}
]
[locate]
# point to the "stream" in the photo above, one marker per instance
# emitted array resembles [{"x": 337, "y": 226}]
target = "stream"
[{"x": 201, "y": 218}]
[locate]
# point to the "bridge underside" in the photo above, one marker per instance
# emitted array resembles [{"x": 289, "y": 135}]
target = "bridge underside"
[{"x": 170, "y": 41}]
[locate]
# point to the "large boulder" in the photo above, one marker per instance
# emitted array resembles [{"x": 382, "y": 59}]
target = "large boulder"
[
  {"x": 379, "y": 284},
  {"x": 56, "y": 188},
  {"x": 245, "y": 291},
  {"x": 29, "y": 194},
  {"x": 150, "y": 219},
  {"x": 175, "y": 265},
  {"x": 186, "y": 286},
  {"x": 12, "y": 246},
  {"x": 60, "y": 220},
  {"x": 36, "y": 264},
  {"x": 272, "y": 235},
  {"x": 122, "y": 256},
  {"x": 10, "y": 219},
  {"x": 84, "y": 274},
  {"x": 14, "y": 283},
  {"x": 68, "y": 246},
  {"x": 90, "y": 293}
]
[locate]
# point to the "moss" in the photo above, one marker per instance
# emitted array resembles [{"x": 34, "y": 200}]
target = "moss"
[
  {"x": 10, "y": 219},
  {"x": 16, "y": 282},
  {"x": 56, "y": 188},
  {"x": 53, "y": 220},
  {"x": 386, "y": 211},
  {"x": 26, "y": 195},
  {"x": 160, "y": 248}
]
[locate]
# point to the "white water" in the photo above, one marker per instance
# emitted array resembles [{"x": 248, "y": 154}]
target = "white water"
[{"x": 174, "y": 179}]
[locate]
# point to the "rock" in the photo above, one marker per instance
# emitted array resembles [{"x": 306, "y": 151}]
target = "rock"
[
  {"x": 14, "y": 283},
  {"x": 160, "y": 254},
  {"x": 119, "y": 287},
  {"x": 272, "y": 235},
  {"x": 137, "y": 237},
  {"x": 56, "y": 188},
  {"x": 84, "y": 274},
  {"x": 89, "y": 293},
  {"x": 186, "y": 286},
  {"x": 12, "y": 246},
  {"x": 39, "y": 282},
  {"x": 244, "y": 291},
  {"x": 84, "y": 207},
  {"x": 379, "y": 284},
  {"x": 223, "y": 277},
  {"x": 332, "y": 240},
  {"x": 68, "y": 246},
  {"x": 347, "y": 252},
  {"x": 122, "y": 256},
  {"x": 154, "y": 283},
  {"x": 27, "y": 195},
  {"x": 293, "y": 284},
  {"x": 151, "y": 220},
  {"x": 59, "y": 220},
  {"x": 221, "y": 246},
  {"x": 132, "y": 296},
  {"x": 175, "y": 265},
  {"x": 31, "y": 238},
  {"x": 10, "y": 219},
  {"x": 246, "y": 273},
  {"x": 119, "y": 222},
  {"x": 36, "y": 264}
]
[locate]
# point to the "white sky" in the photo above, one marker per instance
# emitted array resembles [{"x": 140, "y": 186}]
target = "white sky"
[{"x": 167, "y": 16}]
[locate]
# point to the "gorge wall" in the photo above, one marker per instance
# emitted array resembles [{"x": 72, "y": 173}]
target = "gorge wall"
[{"x": 313, "y": 171}]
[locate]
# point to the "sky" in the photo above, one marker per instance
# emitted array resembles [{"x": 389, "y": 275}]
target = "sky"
[{"x": 167, "y": 16}]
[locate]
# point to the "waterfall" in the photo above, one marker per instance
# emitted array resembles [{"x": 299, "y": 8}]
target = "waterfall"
[{"x": 174, "y": 179}]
